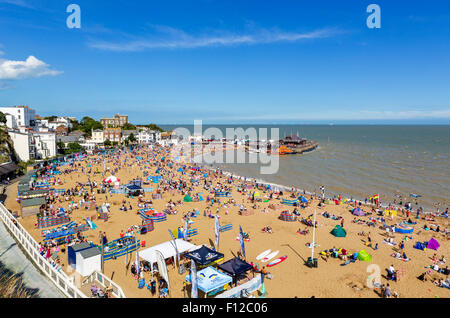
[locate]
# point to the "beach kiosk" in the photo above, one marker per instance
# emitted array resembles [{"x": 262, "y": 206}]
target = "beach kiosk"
[
  {"x": 84, "y": 258},
  {"x": 31, "y": 206}
]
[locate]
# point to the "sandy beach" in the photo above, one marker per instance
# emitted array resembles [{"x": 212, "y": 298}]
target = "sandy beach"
[{"x": 291, "y": 278}]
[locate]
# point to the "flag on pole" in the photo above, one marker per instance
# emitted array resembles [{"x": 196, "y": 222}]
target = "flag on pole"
[
  {"x": 194, "y": 292},
  {"x": 175, "y": 246},
  {"x": 217, "y": 232},
  {"x": 241, "y": 240},
  {"x": 186, "y": 224}
]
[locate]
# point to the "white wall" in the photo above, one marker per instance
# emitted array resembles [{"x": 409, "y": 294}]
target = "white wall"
[
  {"x": 22, "y": 116},
  {"x": 45, "y": 144},
  {"x": 22, "y": 144}
]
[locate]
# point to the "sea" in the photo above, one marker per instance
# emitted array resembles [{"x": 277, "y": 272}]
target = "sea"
[{"x": 359, "y": 161}]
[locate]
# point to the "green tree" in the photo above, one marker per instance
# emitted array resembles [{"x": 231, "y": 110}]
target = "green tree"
[
  {"x": 74, "y": 147},
  {"x": 154, "y": 127},
  {"x": 75, "y": 124},
  {"x": 2, "y": 118},
  {"x": 129, "y": 126},
  {"x": 115, "y": 143},
  {"x": 60, "y": 146},
  {"x": 107, "y": 143},
  {"x": 87, "y": 124},
  {"x": 132, "y": 138}
]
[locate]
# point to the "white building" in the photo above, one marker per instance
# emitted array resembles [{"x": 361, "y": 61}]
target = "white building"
[
  {"x": 19, "y": 116},
  {"x": 97, "y": 136},
  {"x": 45, "y": 144},
  {"x": 60, "y": 121},
  {"x": 147, "y": 136},
  {"x": 24, "y": 145},
  {"x": 33, "y": 144}
]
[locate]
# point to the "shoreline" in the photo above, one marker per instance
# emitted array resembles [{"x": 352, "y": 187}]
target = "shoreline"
[{"x": 315, "y": 195}]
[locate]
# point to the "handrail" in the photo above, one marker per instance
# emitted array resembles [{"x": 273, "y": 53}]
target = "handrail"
[
  {"x": 105, "y": 281},
  {"x": 64, "y": 282}
]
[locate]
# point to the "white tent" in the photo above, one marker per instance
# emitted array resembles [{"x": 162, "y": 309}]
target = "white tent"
[
  {"x": 111, "y": 179},
  {"x": 167, "y": 250}
]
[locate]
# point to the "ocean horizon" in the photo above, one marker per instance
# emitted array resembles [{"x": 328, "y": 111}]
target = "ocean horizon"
[{"x": 359, "y": 161}]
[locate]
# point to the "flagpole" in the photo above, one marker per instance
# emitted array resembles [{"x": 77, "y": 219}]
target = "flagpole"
[{"x": 314, "y": 235}]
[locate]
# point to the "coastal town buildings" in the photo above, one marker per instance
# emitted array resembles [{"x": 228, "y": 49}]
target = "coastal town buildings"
[
  {"x": 147, "y": 136},
  {"x": 29, "y": 141},
  {"x": 113, "y": 134},
  {"x": 114, "y": 122}
]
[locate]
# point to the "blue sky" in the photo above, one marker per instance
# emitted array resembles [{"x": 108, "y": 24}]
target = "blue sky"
[{"x": 171, "y": 62}]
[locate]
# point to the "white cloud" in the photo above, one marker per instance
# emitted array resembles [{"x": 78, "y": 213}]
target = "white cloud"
[
  {"x": 19, "y": 3},
  {"x": 171, "y": 38},
  {"x": 30, "y": 68}
]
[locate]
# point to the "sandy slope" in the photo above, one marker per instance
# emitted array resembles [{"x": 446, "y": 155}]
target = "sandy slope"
[{"x": 292, "y": 277}]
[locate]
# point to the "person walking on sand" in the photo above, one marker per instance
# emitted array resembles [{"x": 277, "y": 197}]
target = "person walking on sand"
[{"x": 342, "y": 222}]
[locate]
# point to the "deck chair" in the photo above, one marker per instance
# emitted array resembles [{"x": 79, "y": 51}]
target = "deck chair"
[{"x": 141, "y": 283}]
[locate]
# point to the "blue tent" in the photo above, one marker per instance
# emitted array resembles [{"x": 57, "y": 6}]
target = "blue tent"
[
  {"x": 210, "y": 279},
  {"x": 133, "y": 187},
  {"x": 302, "y": 199},
  {"x": 420, "y": 246}
]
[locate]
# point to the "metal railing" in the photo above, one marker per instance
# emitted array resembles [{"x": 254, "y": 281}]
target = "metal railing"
[
  {"x": 61, "y": 280},
  {"x": 105, "y": 282}
]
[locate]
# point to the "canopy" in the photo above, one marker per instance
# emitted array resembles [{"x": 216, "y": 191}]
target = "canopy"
[
  {"x": 357, "y": 211},
  {"x": 256, "y": 194},
  {"x": 167, "y": 250},
  {"x": 187, "y": 198},
  {"x": 134, "y": 187},
  {"x": 433, "y": 244},
  {"x": 364, "y": 256},
  {"x": 338, "y": 231},
  {"x": 204, "y": 255},
  {"x": 209, "y": 279},
  {"x": 235, "y": 266},
  {"x": 111, "y": 179}
]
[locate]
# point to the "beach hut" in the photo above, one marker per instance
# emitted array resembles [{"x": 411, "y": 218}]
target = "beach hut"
[
  {"x": 338, "y": 231},
  {"x": 31, "y": 206},
  {"x": 433, "y": 244},
  {"x": 357, "y": 211},
  {"x": 84, "y": 258}
]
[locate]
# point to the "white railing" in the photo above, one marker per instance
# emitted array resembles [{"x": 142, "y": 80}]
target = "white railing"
[
  {"x": 105, "y": 282},
  {"x": 27, "y": 242},
  {"x": 248, "y": 287}
]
